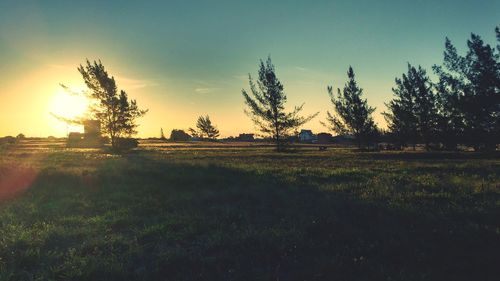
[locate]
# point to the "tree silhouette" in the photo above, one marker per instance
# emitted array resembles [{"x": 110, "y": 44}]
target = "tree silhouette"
[
  {"x": 266, "y": 106},
  {"x": 116, "y": 112},
  {"x": 162, "y": 135},
  {"x": 179, "y": 135},
  {"x": 497, "y": 31},
  {"x": 450, "y": 125},
  {"x": 412, "y": 115},
  {"x": 205, "y": 128},
  {"x": 471, "y": 86},
  {"x": 352, "y": 115}
]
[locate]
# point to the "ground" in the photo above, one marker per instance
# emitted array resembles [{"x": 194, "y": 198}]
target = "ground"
[{"x": 239, "y": 212}]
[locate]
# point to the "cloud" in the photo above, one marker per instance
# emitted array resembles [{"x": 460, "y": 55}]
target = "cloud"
[
  {"x": 301, "y": 68},
  {"x": 122, "y": 81},
  {"x": 131, "y": 83},
  {"x": 62, "y": 66},
  {"x": 205, "y": 90},
  {"x": 243, "y": 77}
]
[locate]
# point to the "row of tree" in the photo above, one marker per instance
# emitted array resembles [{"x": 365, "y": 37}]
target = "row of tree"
[{"x": 462, "y": 107}]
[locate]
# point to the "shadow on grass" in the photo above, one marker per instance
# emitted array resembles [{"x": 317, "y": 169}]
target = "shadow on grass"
[
  {"x": 142, "y": 219},
  {"x": 436, "y": 155}
]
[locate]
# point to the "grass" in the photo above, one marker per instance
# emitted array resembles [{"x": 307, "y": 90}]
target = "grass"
[{"x": 247, "y": 213}]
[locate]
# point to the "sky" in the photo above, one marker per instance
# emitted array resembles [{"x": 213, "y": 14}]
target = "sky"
[{"x": 183, "y": 59}]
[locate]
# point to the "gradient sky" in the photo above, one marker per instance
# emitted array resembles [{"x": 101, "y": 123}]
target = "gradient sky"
[{"x": 185, "y": 58}]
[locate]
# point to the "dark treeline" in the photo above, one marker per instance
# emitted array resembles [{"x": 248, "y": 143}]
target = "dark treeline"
[{"x": 461, "y": 108}]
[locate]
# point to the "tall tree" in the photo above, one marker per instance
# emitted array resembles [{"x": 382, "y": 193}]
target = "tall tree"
[
  {"x": 266, "y": 106},
  {"x": 205, "y": 129},
  {"x": 412, "y": 115},
  {"x": 116, "y": 112},
  {"x": 473, "y": 83},
  {"x": 450, "y": 125},
  {"x": 352, "y": 114},
  {"x": 497, "y": 31},
  {"x": 162, "y": 135}
]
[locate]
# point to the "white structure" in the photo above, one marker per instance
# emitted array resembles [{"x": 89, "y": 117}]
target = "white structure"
[{"x": 306, "y": 136}]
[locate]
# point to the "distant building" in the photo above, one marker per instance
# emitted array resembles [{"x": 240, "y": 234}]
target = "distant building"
[
  {"x": 75, "y": 136},
  {"x": 92, "y": 128},
  {"x": 306, "y": 136},
  {"x": 8, "y": 140},
  {"x": 91, "y": 136},
  {"x": 195, "y": 138},
  {"x": 246, "y": 137}
]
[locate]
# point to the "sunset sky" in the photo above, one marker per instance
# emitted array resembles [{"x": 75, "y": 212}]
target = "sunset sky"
[{"x": 182, "y": 59}]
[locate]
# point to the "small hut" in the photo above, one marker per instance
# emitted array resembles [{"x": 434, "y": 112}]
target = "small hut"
[{"x": 91, "y": 137}]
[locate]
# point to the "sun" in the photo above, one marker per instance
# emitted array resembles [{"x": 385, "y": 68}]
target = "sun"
[{"x": 68, "y": 105}]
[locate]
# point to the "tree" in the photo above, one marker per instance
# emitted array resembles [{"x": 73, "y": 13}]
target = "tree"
[
  {"x": 471, "y": 85},
  {"x": 497, "y": 31},
  {"x": 412, "y": 115},
  {"x": 116, "y": 112},
  {"x": 449, "y": 124},
  {"x": 162, "y": 135},
  {"x": 205, "y": 128},
  {"x": 179, "y": 135},
  {"x": 266, "y": 106},
  {"x": 352, "y": 114}
]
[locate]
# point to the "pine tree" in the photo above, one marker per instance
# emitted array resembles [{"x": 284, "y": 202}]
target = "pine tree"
[
  {"x": 115, "y": 112},
  {"x": 449, "y": 125},
  {"x": 205, "y": 128},
  {"x": 352, "y": 114},
  {"x": 497, "y": 31},
  {"x": 472, "y": 82},
  {"x": 266, "y": 106},
  {"x": 412, "y": 115}
]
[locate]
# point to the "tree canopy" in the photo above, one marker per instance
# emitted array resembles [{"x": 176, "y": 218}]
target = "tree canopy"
[
  {"x": 205, "y": 129},
  {"x": 470, "y": 87},
  {"x": 352, "y": 114},
  {"x": 116, "y": 113},
  {"x": 412, "y": 115},
  {"x": 266, "y": 106}
]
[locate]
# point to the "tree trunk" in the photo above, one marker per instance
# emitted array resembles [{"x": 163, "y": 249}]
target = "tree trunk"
[
  {"x": 113, "y": 141},
  {"x": 277, "y": 132}
]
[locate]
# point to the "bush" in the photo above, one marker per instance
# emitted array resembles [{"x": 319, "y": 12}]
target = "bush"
[{"x": 126, "y": 143}]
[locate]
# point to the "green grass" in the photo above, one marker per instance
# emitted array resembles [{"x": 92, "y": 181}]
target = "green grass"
[{"x": 236, "y": 213}]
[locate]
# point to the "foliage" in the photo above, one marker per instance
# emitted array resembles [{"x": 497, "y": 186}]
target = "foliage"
[
  {"x": 470, "y": 90},
  {"x": 412, "y": 116},
  {"x": 266, "y": 106},
  {"x": 126, "y": 143},
  {"x": 116, "y": 112},
  {"x": 204, "y": 128},
  {"x": 353, "y": 115},
  {"x": 179, "y": 135}
]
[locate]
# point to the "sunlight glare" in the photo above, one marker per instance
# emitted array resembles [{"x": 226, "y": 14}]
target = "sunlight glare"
[{"x": 70, "y": 106}]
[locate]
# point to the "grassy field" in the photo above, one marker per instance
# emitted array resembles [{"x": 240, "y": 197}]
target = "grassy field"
[{"x": 247, "y": 213}]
